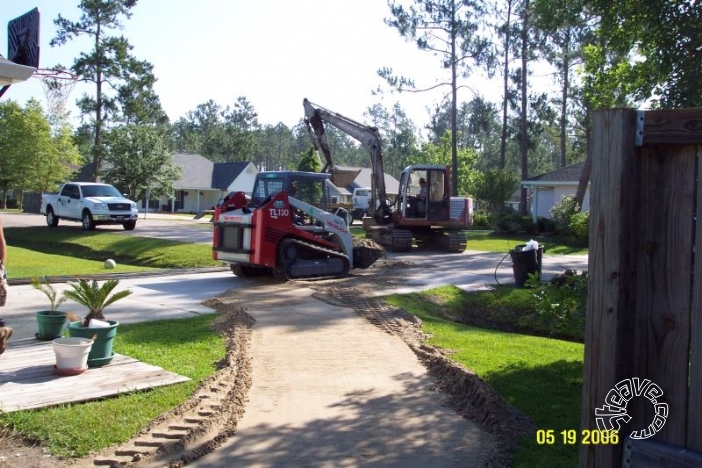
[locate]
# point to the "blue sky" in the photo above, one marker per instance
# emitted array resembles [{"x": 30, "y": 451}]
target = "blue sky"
[{"x": 274, "y": 52}]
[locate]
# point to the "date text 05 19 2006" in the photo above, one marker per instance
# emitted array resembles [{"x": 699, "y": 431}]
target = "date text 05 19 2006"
[{"x": 573, "y": 436}]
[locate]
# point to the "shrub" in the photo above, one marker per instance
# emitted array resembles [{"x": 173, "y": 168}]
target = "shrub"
[
  {"x": 507, "y": 222},
  {"x": 579, "y": 227},
  {"x": 527, "y": 224},
  {"x": 562, "y": 212},
  {"x": 560, "y": 305},
  {"x": 480, "y": 220},
  {"x": 545, "y": 225}
]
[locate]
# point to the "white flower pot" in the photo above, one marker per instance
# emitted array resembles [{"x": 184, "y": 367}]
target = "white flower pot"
[{"x": 71, "y": 355}]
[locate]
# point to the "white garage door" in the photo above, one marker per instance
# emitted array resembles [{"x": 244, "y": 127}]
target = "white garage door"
[{"x": 544, "y": 202}]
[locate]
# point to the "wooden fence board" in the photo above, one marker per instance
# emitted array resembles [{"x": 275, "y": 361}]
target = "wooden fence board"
[
  {"x": 694, "y": 414},
  {"x": 649, "y": 453},
  {"x": 672, "y": 127},
  {"x": 663, "y": 284}
]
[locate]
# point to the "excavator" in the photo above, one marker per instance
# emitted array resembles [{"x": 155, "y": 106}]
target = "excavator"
[
  {"x": 285, "y": 230},
  {"x": 426, "y": 217}
]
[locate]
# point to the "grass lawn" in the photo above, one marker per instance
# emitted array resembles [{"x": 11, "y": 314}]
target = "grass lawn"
[
  {"x": 488, "y": 241},
  {"x": 542, "y": 377},
  {"x": 34, "y": 252}
]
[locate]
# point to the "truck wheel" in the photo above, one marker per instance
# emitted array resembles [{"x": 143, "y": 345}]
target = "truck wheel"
[
  {"x": 88, "y": 223},
  {"x": 51, "y": 219},
  {"x": 129, "y": 225}
]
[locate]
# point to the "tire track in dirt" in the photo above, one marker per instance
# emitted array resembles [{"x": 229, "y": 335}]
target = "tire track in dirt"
[{"x": 464, "y": 391}]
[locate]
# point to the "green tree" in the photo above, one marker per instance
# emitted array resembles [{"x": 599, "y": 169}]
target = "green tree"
[
  {"x": 31, "y": 156},
  {"x": 239, "y": 127},
  {"x": 201, "y": 131},
  {"x": 665, "y": 37},
  {"x": 139, "y": 161},
  {"x": 401, "y": 138},
  {"x": 494, "y": 187},
  {"x": 430, "y": 153},
  {"x": 107, "y": 64},
  {"x": 309, "y": 161},
  {"x": 136, "y": 97},
  {"x": 398, "y": 136},
  {"x": 449, "y": 29},
  {"x": 274, "y": 147},
  {"x": 507, "y": 30},
  {"x": 478, "y": 129},
  {"x": 12, "y": 133}
]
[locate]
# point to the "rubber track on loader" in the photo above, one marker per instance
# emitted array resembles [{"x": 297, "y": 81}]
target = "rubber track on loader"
[{"x": 283, "y": 271}]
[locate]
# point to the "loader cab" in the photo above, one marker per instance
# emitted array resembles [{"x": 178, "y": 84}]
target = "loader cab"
[
  {"x": 424, "y": 192},
  {"x": 309, "y": 187}
]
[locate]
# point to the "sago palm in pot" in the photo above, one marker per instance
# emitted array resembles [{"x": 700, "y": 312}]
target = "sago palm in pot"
[
  {"x": 94, "y": 296},
  {"x": 50, "y": 323}
]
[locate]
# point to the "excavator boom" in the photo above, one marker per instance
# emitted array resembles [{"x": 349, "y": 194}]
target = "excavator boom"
[
  {"x": 423, "y": 211},
  {"x": 316, "y": 116}
]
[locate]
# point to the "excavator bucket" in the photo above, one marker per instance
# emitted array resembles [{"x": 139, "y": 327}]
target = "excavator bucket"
[
  {"x": 344, "y": 177},
  {"x": 366, "y": 252}
]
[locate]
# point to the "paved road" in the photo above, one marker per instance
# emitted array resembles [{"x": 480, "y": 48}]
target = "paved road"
[{"x": 163, "y": 226}]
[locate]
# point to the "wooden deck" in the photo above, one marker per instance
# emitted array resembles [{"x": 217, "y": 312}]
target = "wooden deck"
[{"x": 27, "y": 380}]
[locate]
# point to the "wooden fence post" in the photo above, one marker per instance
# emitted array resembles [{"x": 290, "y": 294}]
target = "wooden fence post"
[{"x": 609, "y": 330}]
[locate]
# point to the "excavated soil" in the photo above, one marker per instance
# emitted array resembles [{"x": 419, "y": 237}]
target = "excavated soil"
[{"x": 460, "y": 388}]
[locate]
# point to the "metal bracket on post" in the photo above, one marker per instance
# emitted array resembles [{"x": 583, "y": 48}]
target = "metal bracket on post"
[{"x": 638, "y": 138}]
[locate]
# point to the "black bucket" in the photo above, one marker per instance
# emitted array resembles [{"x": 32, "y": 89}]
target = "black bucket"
[{"x": 525, "y": 262}]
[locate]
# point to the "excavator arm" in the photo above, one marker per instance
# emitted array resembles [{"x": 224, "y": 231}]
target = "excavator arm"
[{"x": 315, "y": 118}]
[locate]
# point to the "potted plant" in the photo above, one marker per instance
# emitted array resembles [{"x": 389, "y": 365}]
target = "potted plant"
[
  {"x": 50, "y": 323},
  {"x": 71, "y": 355},
  {"x": 96, "y": 297}
]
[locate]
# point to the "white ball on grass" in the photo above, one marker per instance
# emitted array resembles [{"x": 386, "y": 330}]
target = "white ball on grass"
[{"x": 110, "y": 264}]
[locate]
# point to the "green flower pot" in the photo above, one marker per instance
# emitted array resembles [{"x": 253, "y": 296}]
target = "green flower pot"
[
  {"x": 50, "y": 325},
  {"x": 101, "y": 353}
]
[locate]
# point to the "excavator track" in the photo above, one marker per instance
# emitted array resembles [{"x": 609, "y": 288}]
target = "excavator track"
[
  {"x": 303, "y": 260},
  {"x": 457, "y": 241},
  {"x": 392, "y": 238},
  {"x": 448, "y": 241}
]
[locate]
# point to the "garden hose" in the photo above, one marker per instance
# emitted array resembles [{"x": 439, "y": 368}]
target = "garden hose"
[{"x": 498, "y": 266}]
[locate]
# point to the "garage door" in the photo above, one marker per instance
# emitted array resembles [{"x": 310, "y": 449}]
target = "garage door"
[{"x": 544, "y": 202}]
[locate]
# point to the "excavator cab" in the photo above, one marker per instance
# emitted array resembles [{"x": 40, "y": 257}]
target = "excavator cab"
[{"x": 424, "y": 193}]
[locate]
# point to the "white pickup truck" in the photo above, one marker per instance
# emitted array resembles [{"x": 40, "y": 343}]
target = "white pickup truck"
[{"x": 91, "y": 204}]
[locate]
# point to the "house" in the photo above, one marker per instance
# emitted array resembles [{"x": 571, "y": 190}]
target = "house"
[
  {"x": 549, "y": 189},
  {"x": 203, "y": 182},
  {"x": 357, "y": 177}
]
